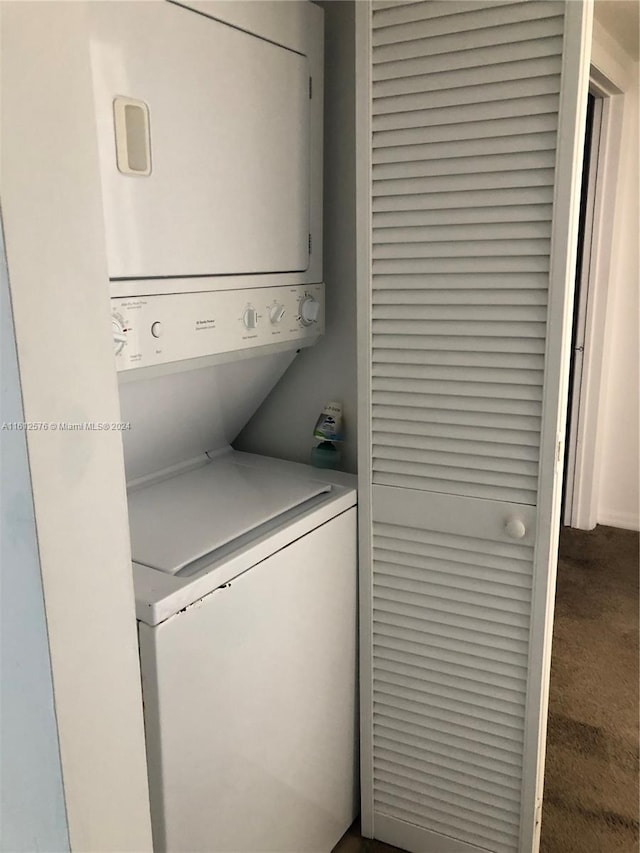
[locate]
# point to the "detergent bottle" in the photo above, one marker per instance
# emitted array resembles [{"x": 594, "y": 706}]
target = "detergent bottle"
[{"x": 328, "y": 430}]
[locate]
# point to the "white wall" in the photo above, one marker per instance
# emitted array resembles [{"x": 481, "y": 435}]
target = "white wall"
[
  {"x": 618, "y": 439},
  {"x": 283, "y": 426},
  {"x": 54, "y": 236},
  {"x": 32, "y": 810}
]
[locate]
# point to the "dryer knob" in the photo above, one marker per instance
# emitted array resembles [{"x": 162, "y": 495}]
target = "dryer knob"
[
  {"x": 250, "y": 317},
  {"x": 276, "y": 313}
]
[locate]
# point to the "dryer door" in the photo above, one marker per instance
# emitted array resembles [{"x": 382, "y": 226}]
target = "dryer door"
[{"x": 203, "y": 134}]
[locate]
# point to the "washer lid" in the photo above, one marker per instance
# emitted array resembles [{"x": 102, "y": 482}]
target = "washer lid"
[{"x": 184, "y": 517}]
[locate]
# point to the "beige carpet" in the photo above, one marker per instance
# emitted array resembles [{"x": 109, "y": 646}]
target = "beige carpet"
[{"x": 591, "y": 778}]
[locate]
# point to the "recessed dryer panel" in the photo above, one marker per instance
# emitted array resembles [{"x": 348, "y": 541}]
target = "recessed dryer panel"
[{"x": 204, "y": 143}]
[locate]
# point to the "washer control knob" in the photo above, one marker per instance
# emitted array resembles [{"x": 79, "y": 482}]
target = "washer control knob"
[
  {"x": 309, "y": 310},
  {"x": 276, "y": 313},
  {"x": 250, "y": 317},
  {"x": 156, "y": 329},
  {"x": 119, "y": 335}
]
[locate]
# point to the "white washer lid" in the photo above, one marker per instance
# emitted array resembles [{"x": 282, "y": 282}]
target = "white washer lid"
[{"x": 189, "y": 515}]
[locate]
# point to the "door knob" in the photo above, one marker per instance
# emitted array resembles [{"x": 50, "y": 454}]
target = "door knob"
[{"x": 515, "y": 528}]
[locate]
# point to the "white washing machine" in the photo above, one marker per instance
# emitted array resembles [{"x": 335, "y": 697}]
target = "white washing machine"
[{"x": 245, "y": 581}]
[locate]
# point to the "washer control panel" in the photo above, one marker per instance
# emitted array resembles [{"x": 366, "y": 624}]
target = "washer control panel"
[{"x": 159, "y": 329}]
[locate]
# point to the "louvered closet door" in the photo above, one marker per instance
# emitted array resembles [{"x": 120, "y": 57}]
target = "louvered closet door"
[{"x": 470, "y": 126}]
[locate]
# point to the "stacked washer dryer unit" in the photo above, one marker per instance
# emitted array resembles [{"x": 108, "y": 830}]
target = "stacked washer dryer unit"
[{"x": 209, "y": 119}]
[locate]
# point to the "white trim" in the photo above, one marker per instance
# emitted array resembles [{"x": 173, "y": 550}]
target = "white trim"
[
  {"x": 572, "y": 474},
  {"x": 363, "y": 276},
  {"x": 609, "y": 60},
  {"x": 582, "y": 511},
  {"x": 612, "y": 73},
  {"x": 573, "y": 103},
  {"x": 625, "y": 520}
]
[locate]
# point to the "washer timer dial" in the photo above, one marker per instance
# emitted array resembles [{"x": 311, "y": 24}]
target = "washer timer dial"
[
  {"x": 309, "y": 310},
  {"x": 119, "y": 330}
]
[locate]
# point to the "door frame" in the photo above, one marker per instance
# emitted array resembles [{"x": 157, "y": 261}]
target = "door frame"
[
  {"x": 363, "y": 175},
  {"x": 583, "y": 460},
  {"x": 57, "y": 267},
  {"x": 564, "y": 250},
  {"x": 575, "y": 77}
]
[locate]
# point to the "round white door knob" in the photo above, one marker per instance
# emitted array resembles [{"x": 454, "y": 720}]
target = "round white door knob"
[{"x": 515, "y": 528}]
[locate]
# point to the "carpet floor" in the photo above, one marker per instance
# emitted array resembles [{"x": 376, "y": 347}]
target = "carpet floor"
[
  {"x": 591, "y": 777},
  {"x": 353, "y": 842}
]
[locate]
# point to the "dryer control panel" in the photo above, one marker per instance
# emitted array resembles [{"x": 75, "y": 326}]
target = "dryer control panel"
[{"x": 153, "y": 330}]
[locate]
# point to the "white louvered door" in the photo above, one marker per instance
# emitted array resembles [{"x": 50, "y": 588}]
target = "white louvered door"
[{"x": 470, "y": 125}]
